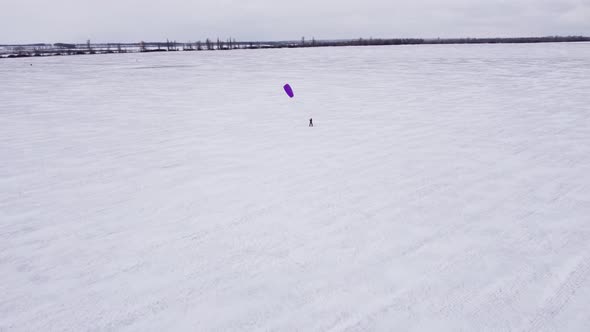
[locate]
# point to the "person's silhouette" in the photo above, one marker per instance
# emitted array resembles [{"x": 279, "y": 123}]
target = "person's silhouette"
[{"x": 311, "y": 122}]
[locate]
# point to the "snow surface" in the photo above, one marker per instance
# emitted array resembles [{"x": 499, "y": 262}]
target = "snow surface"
[{"x": 442, "y": 188}]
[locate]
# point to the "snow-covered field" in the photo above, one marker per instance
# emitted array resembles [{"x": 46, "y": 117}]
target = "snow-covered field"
[{"x": 443, "y": 188}]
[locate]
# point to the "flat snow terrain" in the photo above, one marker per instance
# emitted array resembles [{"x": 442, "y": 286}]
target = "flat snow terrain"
[{"x": 442, "y": 188}]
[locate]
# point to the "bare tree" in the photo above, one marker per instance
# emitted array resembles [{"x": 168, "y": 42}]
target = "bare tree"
[{"x": 20, "y": 51}]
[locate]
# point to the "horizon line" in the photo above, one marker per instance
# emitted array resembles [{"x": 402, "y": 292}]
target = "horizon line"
[{"x": 295, "y": 40}]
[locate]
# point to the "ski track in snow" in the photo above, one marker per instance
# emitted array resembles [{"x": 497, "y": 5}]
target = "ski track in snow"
[{"x": 442, "y": 188}]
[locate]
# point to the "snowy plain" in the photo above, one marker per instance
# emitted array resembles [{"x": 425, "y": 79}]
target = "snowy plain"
[{"x": 442, "y": 188}]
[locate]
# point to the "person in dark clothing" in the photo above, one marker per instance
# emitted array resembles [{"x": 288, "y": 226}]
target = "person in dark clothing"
[{"x": 311, "y": 122}]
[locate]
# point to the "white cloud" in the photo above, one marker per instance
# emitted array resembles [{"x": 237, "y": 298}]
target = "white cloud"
[{"x": 134, "y": 20}]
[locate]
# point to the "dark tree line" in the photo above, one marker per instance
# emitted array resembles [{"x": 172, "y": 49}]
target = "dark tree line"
[
  {"x": 420, "y": 41},
  {"x": 231, "y": 44}
]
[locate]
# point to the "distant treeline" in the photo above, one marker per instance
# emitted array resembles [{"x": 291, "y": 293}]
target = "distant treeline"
[
  {"x": 420, "y": 41},
  {"x": 29, "y": 50}
]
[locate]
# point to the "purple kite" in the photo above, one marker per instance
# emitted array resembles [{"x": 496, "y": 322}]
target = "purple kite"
[{"x": 288, "y": 90}]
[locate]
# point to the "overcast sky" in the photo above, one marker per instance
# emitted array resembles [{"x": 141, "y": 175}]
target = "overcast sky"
[{"x": 26, "y": 21}]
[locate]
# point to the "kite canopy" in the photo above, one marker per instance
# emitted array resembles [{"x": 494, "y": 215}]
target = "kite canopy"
[{"x": 288, "y": 90}]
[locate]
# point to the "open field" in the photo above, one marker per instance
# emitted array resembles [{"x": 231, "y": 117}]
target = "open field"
[{"x": 443, "y": 187}]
